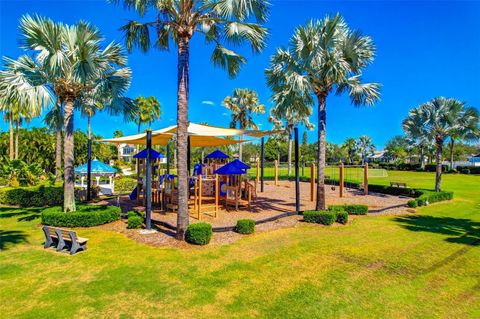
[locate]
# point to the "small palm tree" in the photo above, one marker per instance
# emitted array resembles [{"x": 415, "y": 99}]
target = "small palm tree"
[
  {"x": 325, "y": 56},
  {"x": 73, "y": 63},
  {"x": 416, "y": 133},
  {"x": 148, "y": 110},
  {"x": 54, "y": 120},
  {"x": 438, "y": 123},
  {"x": 365, "y": 146},
  {"x": 351, "y": 148},
  {"x": 118, "y": 133},
  {"x": 177, "y": 21},
  {"x": 466, "y": 128},
  {"x": 243, "y": 104}
]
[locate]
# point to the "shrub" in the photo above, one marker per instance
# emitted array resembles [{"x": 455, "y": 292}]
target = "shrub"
[
  {"x": 84, "y": 216},
  {"x": 433, "y": 168},
  {"x": 469, "y": 169},
  {"x": 37, "y": 196},
  {"x": 319, "y": 217},
  {"x": 134, "y": 221},
  {"x": 397, "y": 191},
  {"x": 342, "y": 217},
  {"x": 125, "y": 184},
  {"x": 199, "y": 233},
  {"x": 245, "y": 226},
  {"x": 352, "y": 209},
  {"x": 412, "y": 203}
]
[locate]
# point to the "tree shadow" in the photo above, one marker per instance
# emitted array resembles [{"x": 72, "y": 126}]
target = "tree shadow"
[
  {"x": 460, "y": 230},
  {"x": 8, "y": 237}
]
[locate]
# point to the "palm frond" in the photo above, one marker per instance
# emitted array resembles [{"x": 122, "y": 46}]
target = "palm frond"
[{"x": 227, "y": 60}]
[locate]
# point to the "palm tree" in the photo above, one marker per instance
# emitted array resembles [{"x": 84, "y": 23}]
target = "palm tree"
[
  {"x": 54, "y": 120},
  {"x": 148, "y": 110},
  {"x": 466, "y": 128},
  {"x": 325, "y": 56},
  {"x": 365, "y": 146},
  {"x": 243, "y": 104},
  {"x": 118, "y": 133},
  {"x": 438, "y": 123},
  {"x": 178, "y": 21},
  {"x": 351, "y": 148},
  {"x": 414, "y": 129},
  {"x": 73, "y": 63}
]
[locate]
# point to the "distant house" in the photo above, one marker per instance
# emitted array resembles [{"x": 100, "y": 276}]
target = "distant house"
[
  {"x": 127, "y": 151},
  {"x": 378, "y": 156},
  {"x": 474, "y": 160}
]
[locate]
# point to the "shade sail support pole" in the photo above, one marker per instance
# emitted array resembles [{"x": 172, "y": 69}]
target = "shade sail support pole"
[
  {"x": 297, "y": 177},
  {"x": 262, "y": 164},
  {"x": 148, "y": 182},
  {"x": 188, "y": 155},
  {"x": 89, "y": 169},
  {"x": 168, "y": 158}
]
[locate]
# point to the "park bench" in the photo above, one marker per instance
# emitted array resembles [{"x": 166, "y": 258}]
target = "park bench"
[
  {"x": 399, "y": 185},
  {"x": 63, "y": 238}
]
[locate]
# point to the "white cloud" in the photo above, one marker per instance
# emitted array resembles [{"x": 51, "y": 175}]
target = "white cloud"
[
  {"x": 171, "y": 119},
  {"x": 208, "y": 102},
  {"x": 225, "y": 114}
]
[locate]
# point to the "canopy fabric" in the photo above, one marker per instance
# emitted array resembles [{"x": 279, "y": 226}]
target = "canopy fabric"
[
  {"x": 153, "y": 154},
  {"x": 240, "y": 164},
  {"x": 97, "y": 168},
  {"x": 217, "y": 154},
  {"x": 229, "y": 169},
  {"x": 200, "y": 136}
]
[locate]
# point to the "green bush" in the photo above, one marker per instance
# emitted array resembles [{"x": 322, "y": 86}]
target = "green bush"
[
  {"x": 125, "y": 184},
  {"x": 245, "y": 226},
  {"x": 342, "y": 217},
  {"x": 469, "y": 169},
  {"x": 84, "y": 216},
  {"x": 352, "y": 209},
  {"x": 37, "y": 196},
  {"x": 412, "y": 203},
  {"x": 199, "y": 233},
  {"x": 134, "y": 221},
  {"x": 433, "y": 168},
  {"x": 465, "y": 171},
  {"x": 397, "y": 191},
  {"x": 319, "y": 217}
]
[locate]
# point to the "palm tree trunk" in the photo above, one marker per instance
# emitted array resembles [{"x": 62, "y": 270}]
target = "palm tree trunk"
[
  {"x": 322, "y": 123},
  {"x": 452, "y": 142},
  {"x": 422, "y": 158},
  {"x": 289, "y": 154},
  {"x": 89, "y": 129},
  {"x": 16, "y": 139},
  {"x": 182, "y": 136},
  {"x": 11, "y": 150},
  {"x": 438, "y": 172},
  {"x": 69, "y": 159},
  {"x": 58, "y": 156}
]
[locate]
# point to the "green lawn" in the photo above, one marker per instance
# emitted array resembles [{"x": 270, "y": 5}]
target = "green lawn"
[{"x": 417, "y": 266}]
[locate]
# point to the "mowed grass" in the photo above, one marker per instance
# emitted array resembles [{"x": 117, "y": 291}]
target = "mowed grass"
[{"x": 423, "y": 265}]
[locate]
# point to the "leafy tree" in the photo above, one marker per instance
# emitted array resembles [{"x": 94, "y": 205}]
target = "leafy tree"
[
  {"x": 54, "y": 120},
  {"x": 74, "y": 64},
  {"x": 325, "y": 56},
  {"x": 118, "y": 133},
  {"x": 351, "y": 149},
  {"x": 148, "y": 110},
  {"x": 243, "y": 104},
  {"x": 397, "y": 148},
  {"x": 177, "y": 21}
]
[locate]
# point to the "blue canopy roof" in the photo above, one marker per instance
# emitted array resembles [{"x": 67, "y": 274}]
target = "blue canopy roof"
[
  {"x": 240, "y": 164},
  {"x": 217, "y": 154},
  {"x": 153, "y": 154},
  {"x": 230, "y": 169},
  {"x": 97, "y": 167}
]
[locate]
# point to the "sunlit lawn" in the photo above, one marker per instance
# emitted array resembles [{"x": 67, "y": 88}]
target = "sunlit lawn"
[{"x": 417, "y": 266}]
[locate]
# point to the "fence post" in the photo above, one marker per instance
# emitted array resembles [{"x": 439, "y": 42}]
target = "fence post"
[
  {"x": 312, "y": 182},
  {"x": 341, "y": 179},
  {"x": 365, "y": 178},
  {"x": 275, "y": 172}
]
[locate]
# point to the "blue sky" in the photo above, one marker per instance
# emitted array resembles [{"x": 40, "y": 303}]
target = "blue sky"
[{"x": 424, "y": 49}]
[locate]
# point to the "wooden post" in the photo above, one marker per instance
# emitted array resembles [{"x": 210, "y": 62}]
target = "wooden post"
[
  {"x": 262, "y": 166},
  {"x": 275, "y": 172},
  {"x": 365, "y": 179},
  {"x": 195, "y": 194},
  {"x": 217, "y": 194},
  {"x": 341, "y": 178},
  {"x": 312, "y": 182}
]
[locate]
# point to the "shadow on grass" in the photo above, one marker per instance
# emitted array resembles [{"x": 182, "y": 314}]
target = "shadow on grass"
[
  {"x": 8, "y": 237},
  {"x": 26, "y": 214},
  {"x": 460, "y": 230}
]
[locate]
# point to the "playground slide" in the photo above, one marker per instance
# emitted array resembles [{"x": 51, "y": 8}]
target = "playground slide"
[{"x": 133, "y": 194}]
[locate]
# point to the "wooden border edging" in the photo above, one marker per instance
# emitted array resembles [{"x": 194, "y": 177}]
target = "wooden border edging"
[{"x": 232, "y": 228}]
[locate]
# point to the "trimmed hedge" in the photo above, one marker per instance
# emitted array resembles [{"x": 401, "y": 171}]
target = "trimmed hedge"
[
  {"x": 324, "y": 217},
  {"x": 134, "y": 222},
  {"x": 412, "y": 203},
  {"x": 245, "y": 226},
  {"x": 84, "y": 216},
  {"x": 353, "y": 209},
  {"x": 433, "y": 168},
  {"x": 199, "y": 233},
  {"x": 37, "y": 196},
  {"x": 342, "y": 217},
  {"x": 469, "y": 169},
  {"x": 397, "y": 191}
]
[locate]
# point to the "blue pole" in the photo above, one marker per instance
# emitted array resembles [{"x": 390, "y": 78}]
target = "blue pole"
[
  {"x": 262, "y": 164},
  {"x": 148, "y": 181},
  {"x": 297, "y": 177}
]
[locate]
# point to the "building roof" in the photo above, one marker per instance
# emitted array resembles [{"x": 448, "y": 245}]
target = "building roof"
[{"x": 97, "y": 168}]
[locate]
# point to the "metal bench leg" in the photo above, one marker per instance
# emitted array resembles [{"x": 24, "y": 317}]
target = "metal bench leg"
[
  {"x": 48, "y": 238},
  {"x": 61, "y": 243}
]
